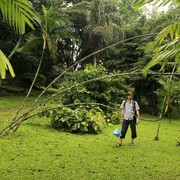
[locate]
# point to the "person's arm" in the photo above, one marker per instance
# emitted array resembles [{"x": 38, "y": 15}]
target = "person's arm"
[
  {"x": 121, "y": 116},
  {"x": 122, "y": 112},
  {"x": 137, "y": 111},
  {"x": 138, "y": 116}
]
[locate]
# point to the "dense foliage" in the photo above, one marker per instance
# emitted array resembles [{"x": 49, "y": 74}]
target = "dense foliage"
[{"x": 94, "y": 84}]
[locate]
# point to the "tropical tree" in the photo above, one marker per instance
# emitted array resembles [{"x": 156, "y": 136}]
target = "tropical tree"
[
  {"x": 48, "y": 23},
  {"x": 49, "y": 26},
  {"x": 129, "y": 14},
  {"x": 169, "y": 93},
  {"x": 104, "y": 25},
  {"x": 18, "y": 14},
  {"x": 170, "y": 90},
  {"x": 73, "y": 45}
]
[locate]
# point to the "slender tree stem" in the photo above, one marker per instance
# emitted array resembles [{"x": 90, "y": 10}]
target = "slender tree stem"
[
  {"x": 30, "y": 89},
  {"x": 165, "y": 105},
  {"x": 157, "y": 132},
  {"x": 14, "y": 50}
]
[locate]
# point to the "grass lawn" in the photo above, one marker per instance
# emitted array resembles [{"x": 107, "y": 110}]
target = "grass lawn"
[{"x": 36, "y": 151}]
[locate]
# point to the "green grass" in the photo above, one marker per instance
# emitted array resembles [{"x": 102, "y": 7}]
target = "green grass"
[{"x": 36, "y": 151}]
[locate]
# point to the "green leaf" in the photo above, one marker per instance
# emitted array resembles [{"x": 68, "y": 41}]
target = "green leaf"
[
  {"x": 159, "y": 3},
  {"x": 5, "y": 65},
  {"x": 162, "y": 56},
  {"x": 140, "y": 3},
  {"x": 31, "y": 43},
  {"x": 18, "y": 13},
  {"x": 170, "y": 50}
]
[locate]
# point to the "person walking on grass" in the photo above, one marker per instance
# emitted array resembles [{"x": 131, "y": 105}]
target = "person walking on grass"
[{"x": 129, "y": 115}]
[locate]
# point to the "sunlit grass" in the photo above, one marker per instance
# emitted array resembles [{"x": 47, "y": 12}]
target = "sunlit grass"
[{"x": 36, "y": 151}]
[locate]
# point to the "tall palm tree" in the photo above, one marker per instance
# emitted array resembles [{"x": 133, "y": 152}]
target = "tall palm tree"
[
  {"x": 48, "y": 22},
  {"x": 18, "y": 14}
]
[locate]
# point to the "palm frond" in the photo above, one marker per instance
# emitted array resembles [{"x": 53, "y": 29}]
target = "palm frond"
[
  {"x": 162, "y": 56},
  {"x": 139, "y": 3},
  {"x": 17, "y": 13},
  {"x": 48, "y": 20},
  {"x": 159, "y": 3},
  {"x": 5, "y": 65},
  {"x": 169, "y": 50},
  {"x": 31, "y": 42},
  {"x": 173, "y": 30}
]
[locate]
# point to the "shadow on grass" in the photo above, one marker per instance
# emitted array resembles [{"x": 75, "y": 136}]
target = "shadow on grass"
[{"x": 40, "y": 125}]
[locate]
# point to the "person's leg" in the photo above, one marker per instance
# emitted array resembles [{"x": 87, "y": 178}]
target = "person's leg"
[
  {"x": 133, "y": 131},
  {"x": 123, "y": 131},
  {"x": 132, "y": 142},
  {"x": 120, "y": 141}
]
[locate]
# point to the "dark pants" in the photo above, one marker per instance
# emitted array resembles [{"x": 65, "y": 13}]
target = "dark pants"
[{"x": 125, "y": 126}]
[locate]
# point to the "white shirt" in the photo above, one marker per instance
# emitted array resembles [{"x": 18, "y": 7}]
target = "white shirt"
[{"x": 128, "y": 109}]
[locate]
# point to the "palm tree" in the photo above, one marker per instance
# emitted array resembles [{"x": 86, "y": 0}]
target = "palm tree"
[
  {"x": 18, "y": 14},
  {"x": 169, "y": 92},
  {"x": 104, "y": 25},
  {"x": 48, "y": 22}
]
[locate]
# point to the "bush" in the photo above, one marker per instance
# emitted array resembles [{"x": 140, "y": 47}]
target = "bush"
[
  {"x": 79, "y": 120},
  {"x": 107, "y": 91},
  {"x": 113, "y": 117}
]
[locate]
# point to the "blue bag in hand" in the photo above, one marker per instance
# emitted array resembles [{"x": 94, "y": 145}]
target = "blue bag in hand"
[{"x": 117, "y": 133}]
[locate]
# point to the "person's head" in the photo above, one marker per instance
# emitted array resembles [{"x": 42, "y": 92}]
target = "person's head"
[{"x": 130, "y": 95}]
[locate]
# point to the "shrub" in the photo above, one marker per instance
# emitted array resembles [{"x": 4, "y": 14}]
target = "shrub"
[
  {"x": 79, "y": 120},
  {"x": 107, "y": 91},
  {"x": 113, "y": 117}
]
